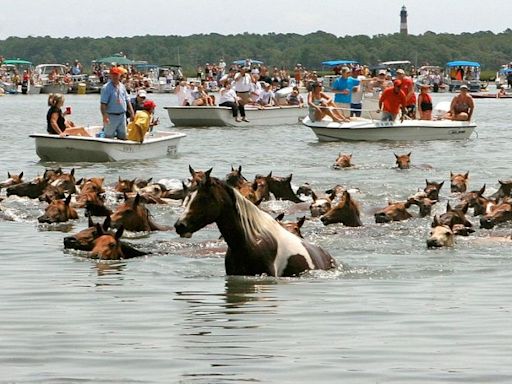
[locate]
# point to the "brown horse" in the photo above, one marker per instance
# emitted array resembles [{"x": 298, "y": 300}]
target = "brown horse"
[
  {"x": 504, "y": 190},
  {"x": 108, "y": 246},
  {"x": 477, "y": 201},
  {"x": 58, "y": 211},
  {"x": 135, "y": 217},
  {"x": 345, "y": 212},
  {"x": 305, "y": 190},
  {"x": 178, "y": 193},
  {"x": 424, "y": 204},
  {"x": 454, "y": 216},
  {"x": 459, "y": 182},
  {"x": 93, "y": 184},
  {"x": 257, "y": 244},
  {"x": 236, "y": 180},
  {"x": 195, "y": 177},
  {"x": 499, "y": 213},
  {"x": 32, "y": 189},
  {"x": 441, "y": 235},
  {"x": 124, "y": 185},
  {"x": 432, "y": 189},
  {"x": 343, "y": 161},
  {"x": 403, "y": 161},
  {"x": 12, "y": 180},
  {"x": 393, "y": 212},
  {"x": 281, "y": 188},
  {"x": 84, "y": 240},
  {"x": 292, "y": 226},
  {"x": 320, "y": 205}
]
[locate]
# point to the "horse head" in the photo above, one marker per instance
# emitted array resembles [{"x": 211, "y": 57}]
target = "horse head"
[
  {"x": 84, "y": 240},
  {"x": 291, "y": 226},
  {"x": 440, "y": 235},
  {"x": 459, "y": 182},
  {"x": 281, "y": 188},
  {"x": 12, "y": 180},
  {"x": 108, "y": 246},
  {"x": 403, "y": 161},
  {"x": 343, "y": 161},
  {"x": 396, "y": 211},
  {"x": 124, "y": 185},
  {"x": 58, "y": 211},
  {"x": 499, "y": 213},
  {"x": 432, "y": 189},
  {"x": 346, "y": 212}
]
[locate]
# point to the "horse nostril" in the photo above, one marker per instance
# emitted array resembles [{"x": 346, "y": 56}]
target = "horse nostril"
[{"x": 432, "y": 243}]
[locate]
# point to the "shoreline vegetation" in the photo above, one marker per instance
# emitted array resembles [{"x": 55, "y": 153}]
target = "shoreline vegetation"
[{"x": 491, "y": 50}]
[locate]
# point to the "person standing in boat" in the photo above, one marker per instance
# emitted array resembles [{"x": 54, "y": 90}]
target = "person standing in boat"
[
  {"x": 408, "y": 89},
  {"x": 391, "y": 101},
  {"x": 114, "y": 103},
  {"x": 342, "y": 88},
  {"x": 425, "y": 103}
]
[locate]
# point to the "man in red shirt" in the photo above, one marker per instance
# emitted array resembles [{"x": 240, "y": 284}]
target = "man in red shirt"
[
  {"x": 408, "y": 89},
  {"x": 391, "y": 101}
]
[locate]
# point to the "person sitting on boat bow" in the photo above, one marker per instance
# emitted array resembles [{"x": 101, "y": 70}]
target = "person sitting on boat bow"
[
  {"x": 228, "y": 98},
  {"x": 320, "y": 105},
  {"x": 57, "y": 124},
  {"x": 294, "y": 98},
  {"x": 391, "y": 101},
  {"x": 142, "y": 122},
  {"x": 267, "y": 98},
  {"x": 462, "y": 106}
]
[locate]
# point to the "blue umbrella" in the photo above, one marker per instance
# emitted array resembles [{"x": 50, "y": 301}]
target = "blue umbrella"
[{"x": 334, "y": 63}]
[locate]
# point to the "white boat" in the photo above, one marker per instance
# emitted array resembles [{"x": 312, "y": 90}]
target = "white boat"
[
  {"x": 359, "y": 129},
  {"x": 95, "y": 149},
  {"x": 52, "y": 77},
  {"x": 208, "y": 116}
]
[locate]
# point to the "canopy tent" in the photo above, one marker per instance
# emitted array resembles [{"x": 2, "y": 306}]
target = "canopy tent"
[
  {"x": 334, "y": 63},
  {"x": 16, "y": 62},
  {"x": 117, "y": 59},
  {"x": 243, "y": 61},
  {"x": 505, "y": 70},
  {"x": 463, "y": 63}
]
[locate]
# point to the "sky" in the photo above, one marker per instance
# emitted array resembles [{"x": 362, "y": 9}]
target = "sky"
[{"x": 126, "y": 18}]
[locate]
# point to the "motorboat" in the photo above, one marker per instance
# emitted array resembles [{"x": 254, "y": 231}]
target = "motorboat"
[
  {"x": 53, "y": 78},
  {"x": 430, "y": 75},
  {"x": 92, "y": 148},
  {"x": 463, "y": 72},
  {"x": 491, "y": 95},
  {"x": 361, "y": 129},
  {"x": 216, "y": 116}
]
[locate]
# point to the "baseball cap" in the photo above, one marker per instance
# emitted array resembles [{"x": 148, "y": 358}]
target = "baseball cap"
[
  {"x": 149, "y": 105},
  {"x": 142, "y": 93},
  {"x": 400, "y": 70},
  {"x": 382, "y": 72},
  {"x": 464, "y": 86},
  {"x": 116, "y": 71},
  {"x": 345, "y": 69},
  {"x": 397, "y": 83}
]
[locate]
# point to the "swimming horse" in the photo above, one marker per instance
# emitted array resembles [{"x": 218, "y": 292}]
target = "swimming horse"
[{"x": 257, "y": 244}]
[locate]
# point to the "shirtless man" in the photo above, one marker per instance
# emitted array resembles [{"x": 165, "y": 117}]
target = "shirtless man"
[{"x": 462, "y": 106}]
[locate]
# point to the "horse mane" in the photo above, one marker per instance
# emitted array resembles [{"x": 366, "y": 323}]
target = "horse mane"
[{"x": 255, "y": 222}]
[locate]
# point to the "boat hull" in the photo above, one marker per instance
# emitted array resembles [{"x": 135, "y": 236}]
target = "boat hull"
[
  {"x": 55, "y": 88},
  {"x": 222, "y": 116},
  {"x": 409, "y": 130},
  {"x": 95, "y": 149}
]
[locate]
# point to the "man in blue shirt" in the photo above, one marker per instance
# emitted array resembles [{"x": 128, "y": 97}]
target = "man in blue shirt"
[
  {"x": 114, "y": 104},
  {"x": 342, "y": 88}
]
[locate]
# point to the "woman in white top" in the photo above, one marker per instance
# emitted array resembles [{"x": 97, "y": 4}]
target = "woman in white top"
[
  {"x": 228, "y": 98},
  {"x": 182, "y": 92}
]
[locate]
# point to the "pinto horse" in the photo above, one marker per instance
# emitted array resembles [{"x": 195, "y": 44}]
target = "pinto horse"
[
  {"x": 345, "y": 212},
  {"x": 257, "y": 244}
]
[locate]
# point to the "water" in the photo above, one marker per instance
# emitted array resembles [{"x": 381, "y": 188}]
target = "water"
[{"x": 398, "y": 314}]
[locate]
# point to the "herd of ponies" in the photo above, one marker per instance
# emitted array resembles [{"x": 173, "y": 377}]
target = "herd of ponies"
[{"x": 259, "y": 241}]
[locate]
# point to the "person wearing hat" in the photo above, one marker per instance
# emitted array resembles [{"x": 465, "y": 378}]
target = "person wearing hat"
[
  {"x": 267, "y": 97},
  {"x": 242, "y": 85},
  {"x": 408, "y": 89},
  {"x": 114, "y": 103},
  {"x": 343, "y": 87},
  {"x": 142, "y": 122},
  {"x": 462, "y": 106},
  {"x": 425, "y": 103},
  {"x": 391, "y": 101},
  {"x": 137, "y": 102}
]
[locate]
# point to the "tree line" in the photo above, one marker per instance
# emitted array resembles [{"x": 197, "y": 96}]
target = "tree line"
[{"x": 281, "y": 50}]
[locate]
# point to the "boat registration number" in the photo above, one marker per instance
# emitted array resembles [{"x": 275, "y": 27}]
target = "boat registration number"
[
  {"x": 171, "y": 150},
  {"x": 457, "y": 131},
  {"x": 384, "y": 124},
  {"x": 128, "y": 148}
]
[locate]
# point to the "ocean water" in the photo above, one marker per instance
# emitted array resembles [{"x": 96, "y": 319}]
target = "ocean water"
[{"x": 399, "y": 312}]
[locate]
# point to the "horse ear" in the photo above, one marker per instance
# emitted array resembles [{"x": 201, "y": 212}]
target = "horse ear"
[
  {"x": 289, "y": 178},
  {"x": 395, "y": 155},
  {"x": 350, "y": 156},
  {"x": 347, "y": 195},
  {"x": 119, "y": 232},
  {"x": 314, "y": 196},
  {"x": 240, "y": 169},
  {"x": 79, "y": 181},
  {"x": 119, "y": 179},
  {"x": 20, "y": 175},
  {"x": 136, "y": 201},
  {"x": 441, "y": 184},
  {"x": 466, "y": 175},
  {"x": 72, "y": 173},
  {"x": 426, "y": 181},
  {"x": 184, "y": 186},
  {"x": 409, "y": 154},
  {"x": 481, "y": 191},
  {"x": 8, "y": 175},
  {"x": 451, "y": 174},
  {"x": 68, "y": 199},
  {"x": 448, "y": 207},
  {"x": 269, "y": 175},
  {"x": 435, "y": 222},
  {"x": 191, "y": 170},
  {"x": 501, "y": 182},
  {"x": 465, "y": 207},
  {"x": 300, "y": 222},
  {"x": 99, "y": 230},
  {"x": 106, "y": 223},
  {"x": 90, "y": 223},
  {"x": 280, "y": 216},
  {"x": 149, "y": 180}
]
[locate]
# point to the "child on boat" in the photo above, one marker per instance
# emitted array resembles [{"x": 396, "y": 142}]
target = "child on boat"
[{"x": 142, "y": 122}]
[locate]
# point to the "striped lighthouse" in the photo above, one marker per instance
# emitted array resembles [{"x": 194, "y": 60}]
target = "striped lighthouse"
[{"x": 403, "y": 21}]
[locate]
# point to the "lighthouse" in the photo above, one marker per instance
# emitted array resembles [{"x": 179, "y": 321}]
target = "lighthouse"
[{"x": 403, "y": 21}]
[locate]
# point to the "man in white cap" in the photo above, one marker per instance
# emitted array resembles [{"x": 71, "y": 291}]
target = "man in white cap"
[
  {"x": 137, "y": 102},
  {"x": 342, "y": 88}
]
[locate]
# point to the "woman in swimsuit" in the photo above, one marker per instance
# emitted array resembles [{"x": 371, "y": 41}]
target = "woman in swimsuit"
[
  {"x": 425, "y": 103},
  {"x": 320, "y": 105},
  {"x": 462, "y": 106}
]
